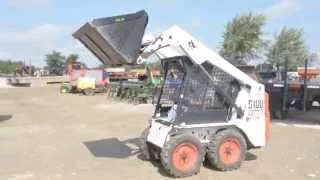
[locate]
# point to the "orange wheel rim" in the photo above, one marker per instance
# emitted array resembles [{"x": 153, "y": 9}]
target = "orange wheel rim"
[
  {"x": 230, "y": 151},
  {"x": 185, "y": 156}
]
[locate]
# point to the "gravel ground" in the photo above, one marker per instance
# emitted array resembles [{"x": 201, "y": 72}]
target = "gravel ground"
[{"x": 47, "y": 135}]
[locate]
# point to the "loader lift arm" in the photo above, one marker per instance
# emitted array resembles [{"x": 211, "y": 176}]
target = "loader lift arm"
[
  {"x": 118, "y": 41},
  {"x": 176, "y": 42}
]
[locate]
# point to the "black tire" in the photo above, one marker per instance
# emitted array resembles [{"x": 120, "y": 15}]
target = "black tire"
[
  {"x": 217, "y": 159},
  {"x": 171, "y": 147},
  {"x": 88, "y": 92},
  {"x": 144, "y": 147}
]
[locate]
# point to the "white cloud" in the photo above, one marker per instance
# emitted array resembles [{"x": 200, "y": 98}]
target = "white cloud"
[
  {"x": 33, "y": 35},
  {"x": 28, "y": 3},
  {"x": 284, "y": 8},
  {"x": 33, "y": 43}
]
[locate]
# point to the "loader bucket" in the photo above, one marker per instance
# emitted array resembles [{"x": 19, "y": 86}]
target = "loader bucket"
[{"x": 114, "y": 40}]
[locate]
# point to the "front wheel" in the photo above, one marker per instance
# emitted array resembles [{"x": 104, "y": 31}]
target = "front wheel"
[
  {"x": 144, "y": 146},
  {"x": 226, "y": 150},
  {"x": 182, "y": 155}
]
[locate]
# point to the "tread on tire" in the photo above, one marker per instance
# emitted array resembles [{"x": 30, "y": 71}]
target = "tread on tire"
[
  {"x": 173, "y": 149},
  {"x": 219, "y": 146}
]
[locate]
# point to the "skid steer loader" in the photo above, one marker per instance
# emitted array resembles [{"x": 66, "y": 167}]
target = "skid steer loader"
[{"x": 207, "y": 108}]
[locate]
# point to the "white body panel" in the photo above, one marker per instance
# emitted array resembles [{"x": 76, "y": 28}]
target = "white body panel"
[
  {"x": 253, "y": 122},
  {"x": 176, "y": 42},
  {"x": 158, "y": 133}
]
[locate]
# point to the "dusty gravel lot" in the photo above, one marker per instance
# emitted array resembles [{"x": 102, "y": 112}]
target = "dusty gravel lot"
[{"x": 45, "y": 135}]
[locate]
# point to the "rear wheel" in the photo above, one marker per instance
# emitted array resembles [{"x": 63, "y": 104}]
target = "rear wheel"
[
  {"x": 182, "y": 155},
  {"x": 226, "y": 150}
]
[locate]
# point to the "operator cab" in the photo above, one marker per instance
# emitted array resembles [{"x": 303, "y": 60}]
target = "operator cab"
[{"x": 188, "y": 96}]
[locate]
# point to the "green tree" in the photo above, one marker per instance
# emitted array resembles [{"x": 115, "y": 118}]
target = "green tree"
[
  {"x": 72, "y": 58},
  {"x": 289, "y": 45},
  {"x": 55, "y": 63},
  {"x": 242, "y": 38},
  {"x": 8, "y": 66}
]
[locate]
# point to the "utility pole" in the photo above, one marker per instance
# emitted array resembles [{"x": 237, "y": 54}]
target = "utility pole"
[
  {"x": 30, "y": 67},
  {"x": 285, "y": 92},
  {"x": 305, "y": 88}
]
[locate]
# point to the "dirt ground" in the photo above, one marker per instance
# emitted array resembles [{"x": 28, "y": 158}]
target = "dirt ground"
[{"x": 46, "y": 135}]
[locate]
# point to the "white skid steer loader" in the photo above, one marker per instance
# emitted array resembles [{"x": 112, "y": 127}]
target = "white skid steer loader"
[{"x": 207, "y": 108}]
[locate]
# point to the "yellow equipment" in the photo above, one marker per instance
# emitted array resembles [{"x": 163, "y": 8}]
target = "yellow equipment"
[{"x": 86, "y": 83}]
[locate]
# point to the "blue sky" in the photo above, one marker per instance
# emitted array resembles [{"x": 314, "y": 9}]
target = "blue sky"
[{"x": 32, "y": 28}]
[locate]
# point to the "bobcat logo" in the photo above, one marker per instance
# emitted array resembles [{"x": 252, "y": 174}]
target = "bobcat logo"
[{"x": 191, "y": 44}]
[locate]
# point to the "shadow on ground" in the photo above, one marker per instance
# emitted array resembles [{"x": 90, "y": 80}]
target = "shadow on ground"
[
  {"x": 5, "y": 117},
  {"x": 114, "y": 148},
  {"x": 250, "y": 157}
]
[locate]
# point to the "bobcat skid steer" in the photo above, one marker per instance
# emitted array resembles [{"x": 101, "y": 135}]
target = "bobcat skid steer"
[{"x": 207, "y": 108}]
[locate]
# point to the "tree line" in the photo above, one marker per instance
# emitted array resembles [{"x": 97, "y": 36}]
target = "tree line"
[
  {"x": 55, "y": 63},
  {"x": 8, "y": 66},
  {"x": 243, "y": 42}
]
